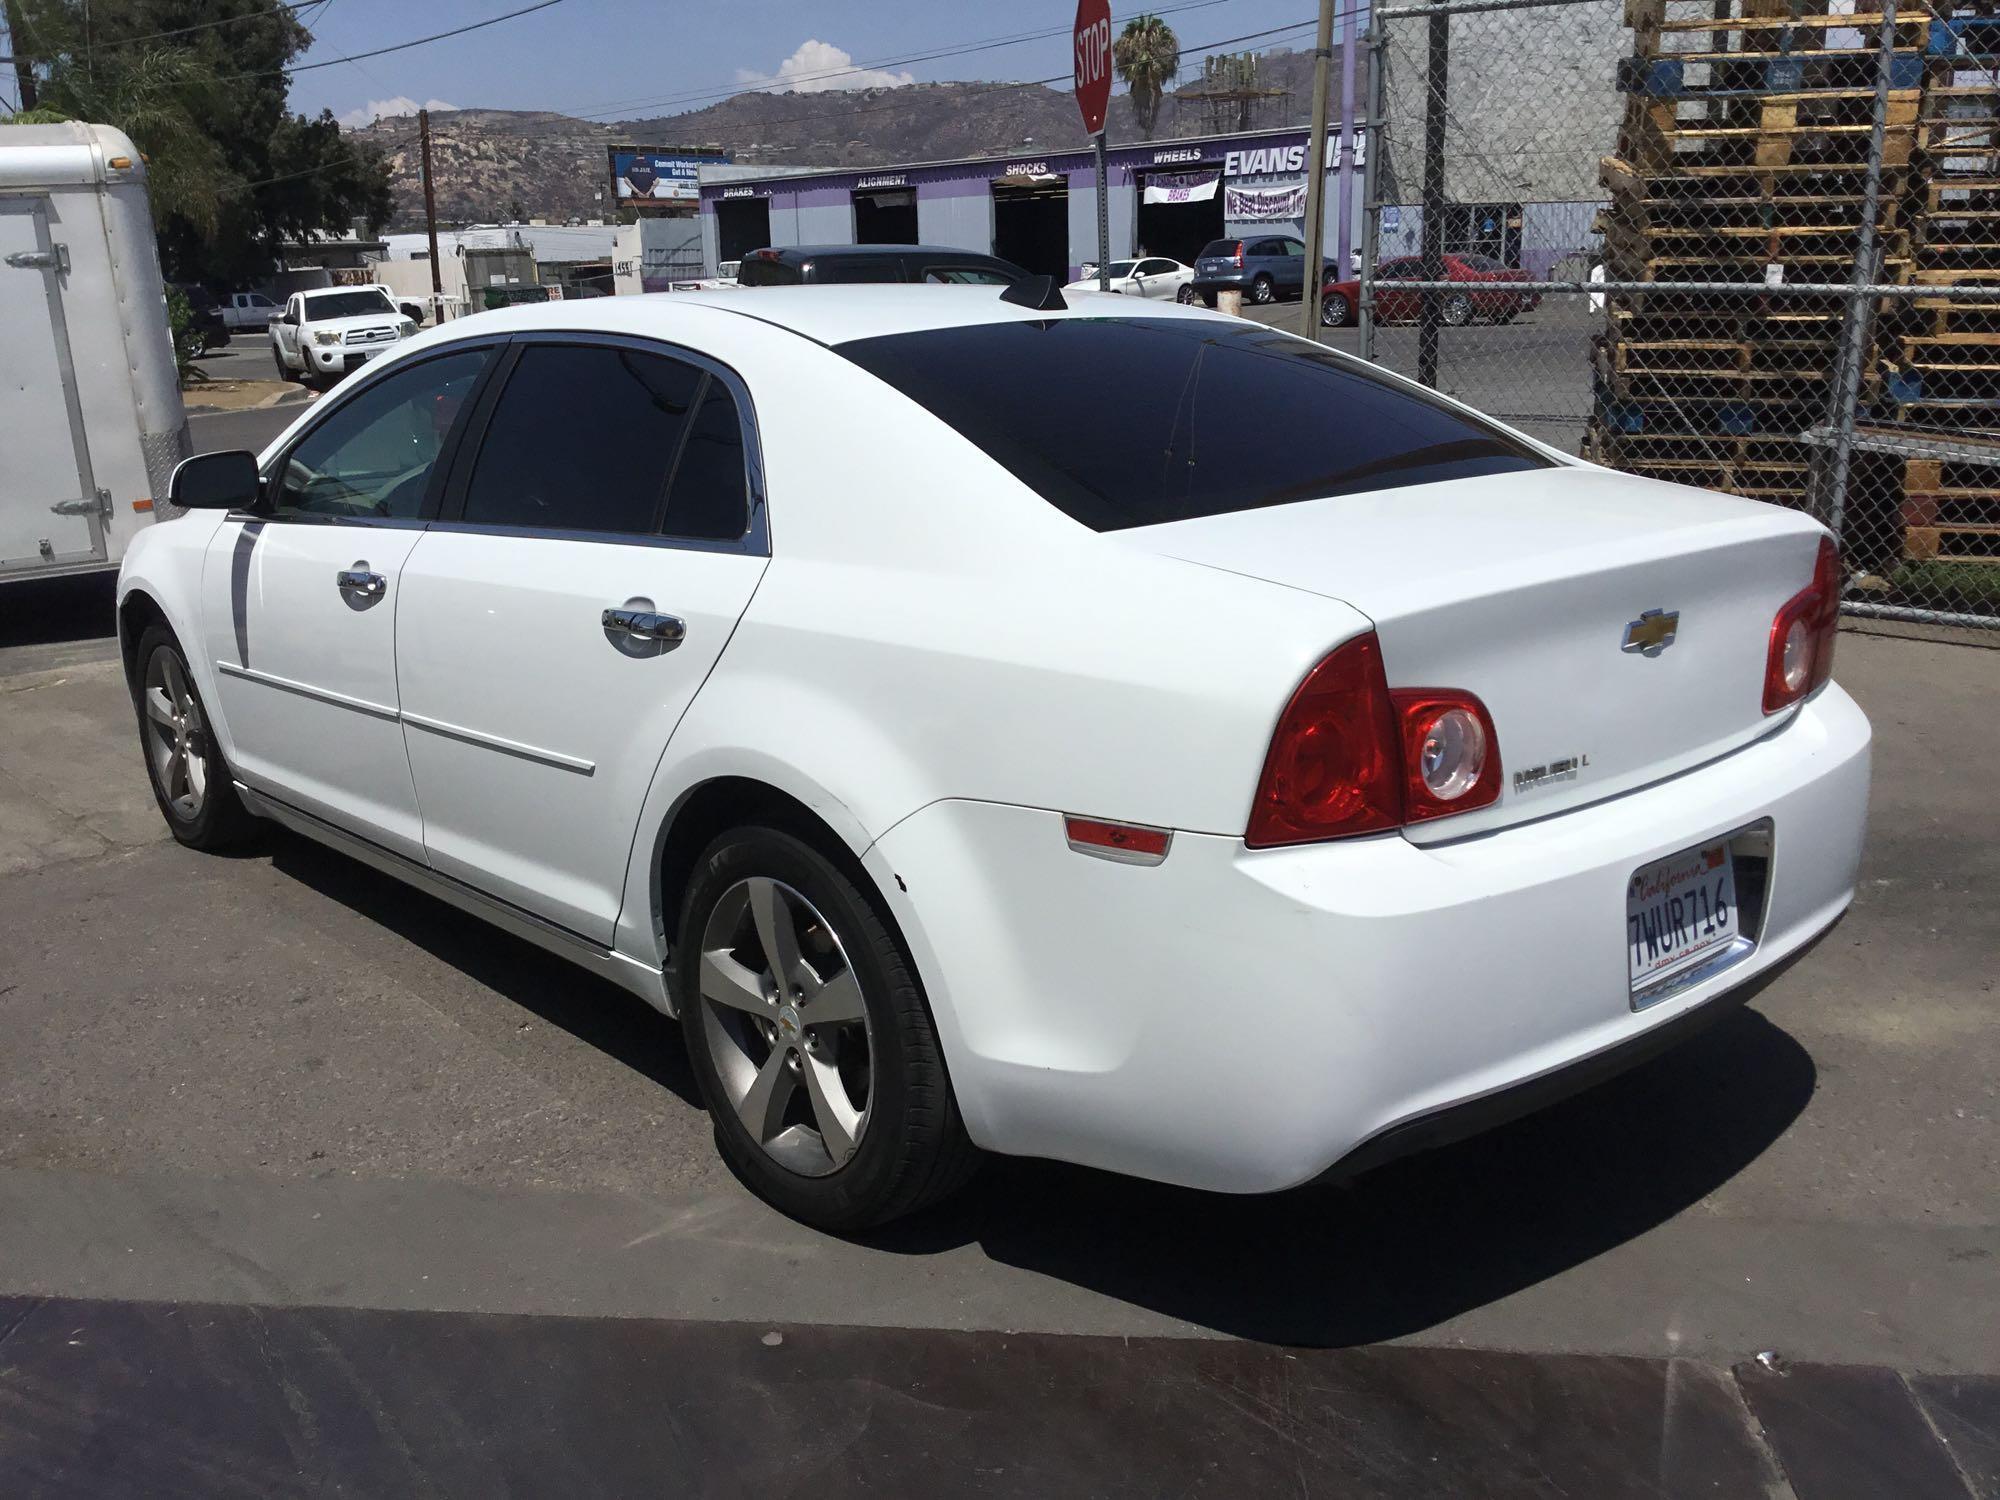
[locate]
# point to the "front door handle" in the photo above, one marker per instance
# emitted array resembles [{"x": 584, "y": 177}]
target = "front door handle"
[
  {"x": 644, "y": 625},
  {"x": 358, "y": 580}
]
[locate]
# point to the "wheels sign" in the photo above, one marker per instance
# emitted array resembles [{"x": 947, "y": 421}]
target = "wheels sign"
[{"x": 1093, "y": 61}]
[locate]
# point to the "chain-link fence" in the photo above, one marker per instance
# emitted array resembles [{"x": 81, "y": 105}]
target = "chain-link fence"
[{"x": 1751, "y": 245}]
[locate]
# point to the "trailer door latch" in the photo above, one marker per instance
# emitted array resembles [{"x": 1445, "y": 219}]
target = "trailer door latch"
[{"x": 56, "y": 258}]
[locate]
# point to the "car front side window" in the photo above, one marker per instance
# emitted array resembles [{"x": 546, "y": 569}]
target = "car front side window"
[{"x": 374, "y": 455}]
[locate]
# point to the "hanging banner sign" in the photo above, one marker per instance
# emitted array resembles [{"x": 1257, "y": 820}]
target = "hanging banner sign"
[
  {"x": 1250, "y": 205},
  {"x": 1181, "y": 187}
]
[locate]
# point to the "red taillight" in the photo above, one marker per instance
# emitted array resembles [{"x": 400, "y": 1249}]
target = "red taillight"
[
  {"x": 1238, "y": 256},
  {"x": 1333, "y": 768},
  {"x": 1803, "y": 635},
  {"x": 1349, "y": 756}
]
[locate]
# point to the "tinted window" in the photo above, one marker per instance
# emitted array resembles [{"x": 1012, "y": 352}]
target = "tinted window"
[
  {"x": 1155, "y": 267},
  {"x": 766, "y": 273},
  {"x": 373, "y": 454},
  {"x": 1187, "y": 418},
  {"x": 347, "y": 305},
  {"x": 708, "y": 496},
  {"x": 842, "y": 268},
  {"x": 970, "y": 275},
  {"x": 1291, "y": 247},
  {"x": 1217, "y": 247},
  {"x": 582, "y": 439}
]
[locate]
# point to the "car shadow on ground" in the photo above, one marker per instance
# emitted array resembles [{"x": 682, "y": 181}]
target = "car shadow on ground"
[
  {"x": 1389, "y": 1254},
  {"x": 1415, "y": 1242},
  {"x": 593, "y": 1010}
]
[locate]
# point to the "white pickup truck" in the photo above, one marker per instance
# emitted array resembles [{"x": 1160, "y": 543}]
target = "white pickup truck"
[
  {"x": 323, "y": 334},
  {"x": 91, "y": 423},
  {"x": 242, "y": 311}
]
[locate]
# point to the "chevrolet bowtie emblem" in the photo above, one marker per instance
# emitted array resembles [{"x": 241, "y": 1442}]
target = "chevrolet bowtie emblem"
[{"x": 1652, "y": 632}]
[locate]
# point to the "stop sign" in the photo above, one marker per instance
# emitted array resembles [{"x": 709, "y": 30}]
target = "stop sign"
[{"x": 1092, "y": 40}]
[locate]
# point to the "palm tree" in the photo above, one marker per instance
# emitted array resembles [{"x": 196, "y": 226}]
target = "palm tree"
[{"x": 1148, "y": 55}]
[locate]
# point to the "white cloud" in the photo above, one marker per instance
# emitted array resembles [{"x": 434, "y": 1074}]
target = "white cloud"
[
  {"x": 817, "y": 67},
  {"x": 382, "y": 109}
]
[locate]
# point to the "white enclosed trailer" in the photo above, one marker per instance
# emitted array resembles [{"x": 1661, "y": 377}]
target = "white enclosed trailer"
[{"x": 91, "y": 423}]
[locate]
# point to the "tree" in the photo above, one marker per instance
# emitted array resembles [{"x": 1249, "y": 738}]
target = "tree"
[
  {"x": 200, "y": 87},
  {"x": 1147, "y": 55}
]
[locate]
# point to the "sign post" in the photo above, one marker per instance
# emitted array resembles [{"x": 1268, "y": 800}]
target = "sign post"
[{"x": 1092, "y": 45}]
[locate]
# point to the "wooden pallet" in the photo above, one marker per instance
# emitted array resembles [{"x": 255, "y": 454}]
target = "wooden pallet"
[
  {"x": 1655, "y": 137},
  {"x": 1804, "y": 182},
  {"x": 1732, "y": 75},
  {"x": 1780, "y": 358},
  {"x": 1952, "y": 543}
]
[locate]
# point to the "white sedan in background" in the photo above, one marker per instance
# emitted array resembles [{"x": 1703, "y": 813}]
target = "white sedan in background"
[
  {"x": 1184, "y": 802},
  {"x": 1152, "y": 276}
]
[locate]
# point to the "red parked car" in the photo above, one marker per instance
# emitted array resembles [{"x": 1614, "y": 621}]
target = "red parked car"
[{"x": 1341, "y": 300}]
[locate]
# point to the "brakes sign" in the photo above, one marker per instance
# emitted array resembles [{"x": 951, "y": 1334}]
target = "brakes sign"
[{"x": 1092, "y": 40}]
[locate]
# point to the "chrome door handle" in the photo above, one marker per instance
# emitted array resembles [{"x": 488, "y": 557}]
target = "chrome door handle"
[
  {"x": 360, "y": 581},
  {"x": 644, "y": 625}
]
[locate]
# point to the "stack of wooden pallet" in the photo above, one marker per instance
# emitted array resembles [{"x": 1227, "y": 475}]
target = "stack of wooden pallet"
[{"x": 1743, "y": 158}]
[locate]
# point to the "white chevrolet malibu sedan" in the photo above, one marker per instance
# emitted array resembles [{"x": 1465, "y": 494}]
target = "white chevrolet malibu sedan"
[{"x": 1133, "y": 736}]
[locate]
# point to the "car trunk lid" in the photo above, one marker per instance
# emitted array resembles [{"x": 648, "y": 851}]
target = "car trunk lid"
[{"x": 1537, "y": 591}]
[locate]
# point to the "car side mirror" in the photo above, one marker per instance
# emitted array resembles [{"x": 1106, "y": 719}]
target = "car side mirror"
[{"x": 215, "y": 481}]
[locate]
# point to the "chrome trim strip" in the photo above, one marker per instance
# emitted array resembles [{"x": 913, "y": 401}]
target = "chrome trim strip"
[
  {"x": 626, "y": 972},
  {"x": 286, "y": 685},
  {"x": 506, "y": 747}
]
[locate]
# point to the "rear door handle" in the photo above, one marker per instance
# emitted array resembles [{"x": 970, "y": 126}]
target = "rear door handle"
[
  {"x": 645, "y": 625},
  {"x": 358, "y": 580}
]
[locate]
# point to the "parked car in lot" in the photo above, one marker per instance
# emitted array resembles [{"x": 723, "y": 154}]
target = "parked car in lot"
[
  {"x": 245, "y": 311},
  {"x": 1473, "y": 297},
  {"x": 1145, "y": 276},
  {"x": 1264, "y": 268},
  {"x": 821, "y": 265},
  {"x": 1186, "y": 803},
  {"x": 324, "y": 334}
]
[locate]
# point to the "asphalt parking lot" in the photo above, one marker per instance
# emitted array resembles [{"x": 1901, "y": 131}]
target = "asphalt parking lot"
[{"x": 280, "y": 1081}]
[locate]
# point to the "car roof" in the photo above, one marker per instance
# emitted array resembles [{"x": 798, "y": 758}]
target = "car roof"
[
  {"x": 814, "y": 252},
  {"x": 824, "y": 314}
]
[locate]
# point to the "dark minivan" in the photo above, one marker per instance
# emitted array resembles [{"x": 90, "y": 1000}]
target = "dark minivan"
[{"x": 830, "y": 264}]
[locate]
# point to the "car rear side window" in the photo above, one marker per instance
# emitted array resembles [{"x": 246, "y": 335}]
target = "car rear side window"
[
  {"x": 839, "y": 269},
  {"x": 1185, "y": 417},
  {"x": 760, "y": 272},
  {"x": 586, "y": 438}
]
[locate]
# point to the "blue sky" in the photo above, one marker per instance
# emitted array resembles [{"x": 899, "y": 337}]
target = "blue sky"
[{"x": 620, "y": 58}]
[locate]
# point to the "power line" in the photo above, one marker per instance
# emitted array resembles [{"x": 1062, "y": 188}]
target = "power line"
[
  {"x": 257, "y": 15},
  {"x": 894, "y": 104},
  {"x": 334, "y": 62},
  {"x": 870, "y": 65}
]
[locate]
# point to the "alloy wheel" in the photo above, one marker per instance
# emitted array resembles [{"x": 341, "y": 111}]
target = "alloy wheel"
[
  {"x": 1333, "y": 312},
  {"x": 1457, "y": 311},
  {"x": 1262, "y": 291},
  {"x": 786, "y": 1026},
  {"x": 176, "y": 739},
  {"x": 1187, "y": 295}
]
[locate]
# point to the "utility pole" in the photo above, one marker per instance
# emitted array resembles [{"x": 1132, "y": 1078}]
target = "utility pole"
[
  {"x": 431, "y": 218},
  {"x": 24, "y": 68},
  {"x": 1309, "y": 301}
]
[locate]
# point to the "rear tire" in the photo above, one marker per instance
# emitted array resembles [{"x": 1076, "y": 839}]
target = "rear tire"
[
  {"x": 765, "y": 1062},
  {"x": 190, "y": 779},
  {"x": 1263, "y": 292},
  {"x": 1457, "y": 310},
  {"x": 1187, "y": 296},
  {"x": 1333, "y": 312}
]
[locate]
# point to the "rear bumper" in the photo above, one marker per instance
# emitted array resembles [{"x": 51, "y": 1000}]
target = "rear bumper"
[{"x": 1244, "y": 1020}]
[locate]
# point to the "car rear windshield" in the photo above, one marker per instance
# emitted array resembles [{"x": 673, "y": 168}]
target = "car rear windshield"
[
  {"x": 347, "y": 305},
  {"x": 1122, "y": 422},
  {"x": 1217, "y": 247}
]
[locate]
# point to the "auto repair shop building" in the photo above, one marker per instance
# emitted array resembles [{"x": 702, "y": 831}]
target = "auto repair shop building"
[{"x": 1039, "y": 209}]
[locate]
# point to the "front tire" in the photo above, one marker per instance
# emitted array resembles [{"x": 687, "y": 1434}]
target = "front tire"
[
  {"x": 828, "y": 1091},
  {"x": 190, "y": 779}
]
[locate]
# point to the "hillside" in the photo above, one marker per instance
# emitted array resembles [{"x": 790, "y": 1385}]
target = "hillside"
[{"x": 488, "y": 164}]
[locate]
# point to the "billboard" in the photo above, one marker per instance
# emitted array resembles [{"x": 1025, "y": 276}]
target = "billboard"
[{"x": 641, "y": 174}]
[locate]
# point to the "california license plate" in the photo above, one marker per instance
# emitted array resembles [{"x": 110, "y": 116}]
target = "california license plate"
[{"x": 1679, "y": 911}]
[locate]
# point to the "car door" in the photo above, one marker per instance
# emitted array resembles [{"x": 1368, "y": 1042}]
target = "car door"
[
  {"x": 599, "y": 541},
  {"x": 299, "y": 601},
  {"x": 1394, "y": 304},
  {"x": 1291, "y": 272},
  {"x": 1156, "y": 278}
]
